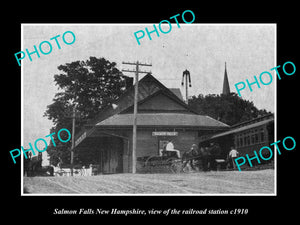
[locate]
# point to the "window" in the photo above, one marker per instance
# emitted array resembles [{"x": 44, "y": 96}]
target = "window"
[
  {"x": 262, "y": 135},
  {"x": 252, "y": 137},
  {"x": 256, "y": 138},
  {"x": 241, "y": 141},
  {"x": 248, "y": 138},
  {"x": 237, "y": 141}
]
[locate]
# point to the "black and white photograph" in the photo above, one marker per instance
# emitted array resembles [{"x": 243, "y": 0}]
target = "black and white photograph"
[
  {"x": 175, "y": 112},
  {"x": 162, "y": 117}
]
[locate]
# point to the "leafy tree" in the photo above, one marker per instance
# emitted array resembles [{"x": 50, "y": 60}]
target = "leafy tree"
[
  {"x": 229, "y": 109},
  {"x": 89, "y": 86}
]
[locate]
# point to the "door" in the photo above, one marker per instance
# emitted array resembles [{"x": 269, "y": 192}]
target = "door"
[
  {"x": 112, "y": 155},
  {"x": 119, "y": 168}
]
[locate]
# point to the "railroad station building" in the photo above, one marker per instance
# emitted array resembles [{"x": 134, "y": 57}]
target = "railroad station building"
[{"x": 162, "y": 115}]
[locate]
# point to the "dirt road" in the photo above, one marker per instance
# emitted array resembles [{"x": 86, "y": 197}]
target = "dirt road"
[{"x": 215, "y": 182}]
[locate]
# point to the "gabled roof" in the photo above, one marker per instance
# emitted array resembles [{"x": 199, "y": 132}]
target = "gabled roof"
[
  {"x": 177, "y": 92},
  {"x": 162, "y": 120},
  {"x": 163, "y": 98},
  {"x": 148, "y": 86}
]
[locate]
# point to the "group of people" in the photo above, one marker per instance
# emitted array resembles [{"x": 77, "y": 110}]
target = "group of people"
[{"x": 207, "y": 155}]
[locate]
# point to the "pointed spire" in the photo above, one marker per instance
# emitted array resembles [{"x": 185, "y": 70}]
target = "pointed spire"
[{"x": 226, "y": 88}]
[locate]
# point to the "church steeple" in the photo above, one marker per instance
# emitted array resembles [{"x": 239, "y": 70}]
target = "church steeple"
[{"x": 226, "y": 88}]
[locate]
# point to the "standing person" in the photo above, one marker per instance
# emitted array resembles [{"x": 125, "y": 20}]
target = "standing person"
[
  {"x": 60, "y": 162},
  {"x": 196, "y": 154},
  {"x": 170, "y": 148},
  {"x": 189, "y": 156},
  {"x": 233, "y": 154},
  {"x": 205, "y": 157},
  {"x": 213, "y": 155}
]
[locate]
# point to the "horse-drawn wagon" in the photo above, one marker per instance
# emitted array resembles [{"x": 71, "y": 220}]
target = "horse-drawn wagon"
[
  {"x": 166, "y": 162},
  {"x": 191, "y": 160},
  {"x": 33, "y": 166}
]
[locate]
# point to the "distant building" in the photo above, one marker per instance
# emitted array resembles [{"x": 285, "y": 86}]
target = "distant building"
[{"x": 226, "y": 88}]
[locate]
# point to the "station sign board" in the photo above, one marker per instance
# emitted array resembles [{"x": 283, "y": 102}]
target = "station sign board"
[{"x": 164, "y": 133}]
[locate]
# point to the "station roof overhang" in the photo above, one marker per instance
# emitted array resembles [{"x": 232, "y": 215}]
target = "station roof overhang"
[
  {"x": 239, "y": 129},
  {"x": 154, "y": 121},
  {"x": 163, "y": 120}
]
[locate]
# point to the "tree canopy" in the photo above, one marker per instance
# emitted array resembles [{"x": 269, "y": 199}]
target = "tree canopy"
[
  {"x": 88, "y": 86},
  {"x": 229, "y": 109}
]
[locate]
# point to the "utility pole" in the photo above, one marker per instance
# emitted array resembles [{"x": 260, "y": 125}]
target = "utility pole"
[
  {"x": 73, "y": 140},
  {"x": 67, "y": 115},
  {"x": 134, "y": 132}
]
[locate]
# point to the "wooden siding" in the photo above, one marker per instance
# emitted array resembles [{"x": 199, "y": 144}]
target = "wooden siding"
[
  {"x": 160, "y": 103},
  {"x": 105, "y": 152},
  {"x": 149, "y": 145}
]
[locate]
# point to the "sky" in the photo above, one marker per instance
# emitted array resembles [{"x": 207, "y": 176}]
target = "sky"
[{"x": 203, "y": 49}]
